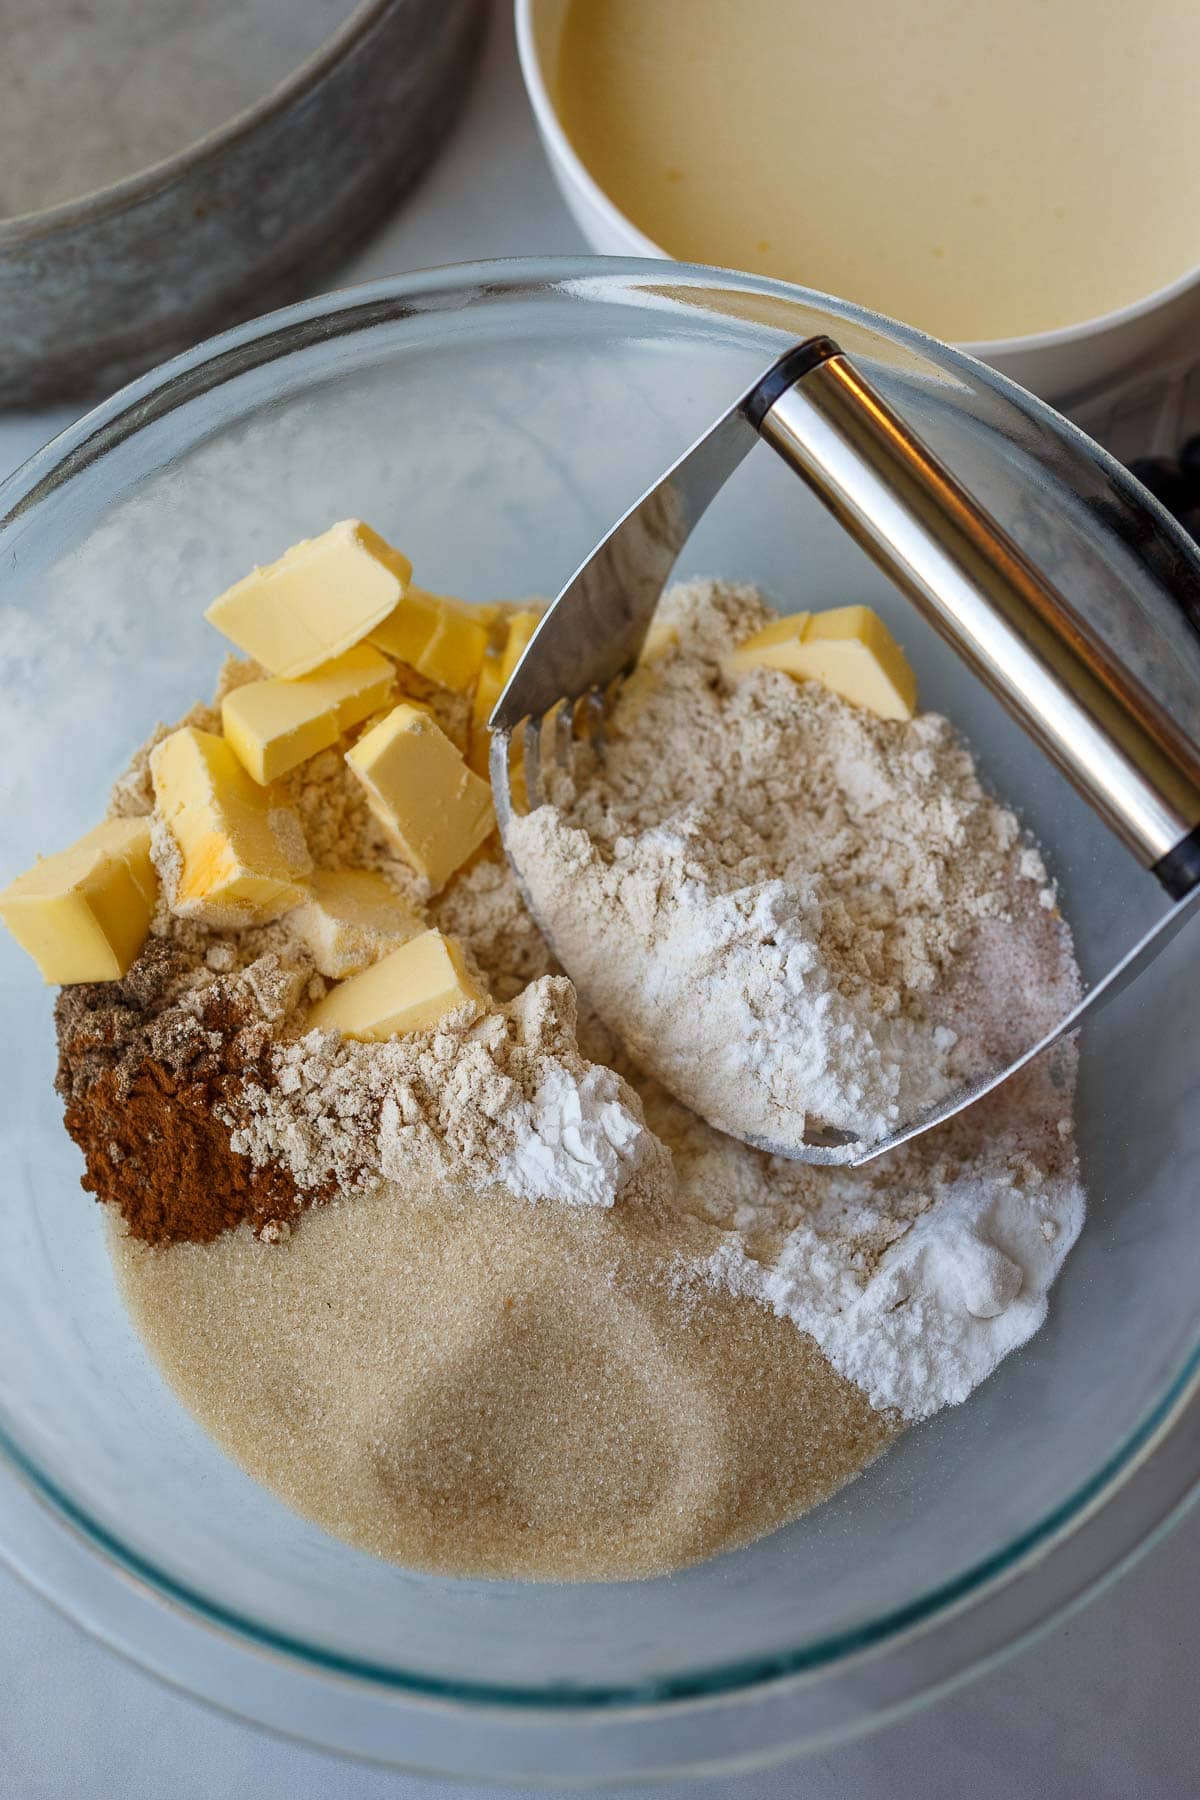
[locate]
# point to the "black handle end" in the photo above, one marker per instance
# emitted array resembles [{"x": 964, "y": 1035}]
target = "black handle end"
[
  {"x": 794, "y": 363},
  {"x": 1179, "y": 869}
]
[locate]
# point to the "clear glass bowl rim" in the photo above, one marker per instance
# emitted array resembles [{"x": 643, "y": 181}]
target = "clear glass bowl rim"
[{"x": 1136, "y": 1469}]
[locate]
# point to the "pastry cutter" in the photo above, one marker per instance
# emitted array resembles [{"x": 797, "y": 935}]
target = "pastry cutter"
[{"x": 965, "y": 575}]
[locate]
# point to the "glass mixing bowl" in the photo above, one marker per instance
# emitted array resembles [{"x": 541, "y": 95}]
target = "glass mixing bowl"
[{"x": 492, "y": 421}]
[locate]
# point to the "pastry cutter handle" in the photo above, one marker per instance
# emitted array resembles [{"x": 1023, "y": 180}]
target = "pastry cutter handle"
[{"x": 975, "y": 586}]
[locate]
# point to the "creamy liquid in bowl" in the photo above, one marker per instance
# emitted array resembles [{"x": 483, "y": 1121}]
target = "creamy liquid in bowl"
[{"x": 979, "y": 171}]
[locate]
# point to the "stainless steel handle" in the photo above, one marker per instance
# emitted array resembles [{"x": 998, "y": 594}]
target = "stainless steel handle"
[{"x": 979, "y": 590}]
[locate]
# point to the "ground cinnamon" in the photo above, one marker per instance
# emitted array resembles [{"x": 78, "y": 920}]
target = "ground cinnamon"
[{"x": 142, "y": 1081}]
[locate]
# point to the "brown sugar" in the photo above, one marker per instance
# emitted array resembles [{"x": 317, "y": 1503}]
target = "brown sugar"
[{"x": 469, "y": 1383}]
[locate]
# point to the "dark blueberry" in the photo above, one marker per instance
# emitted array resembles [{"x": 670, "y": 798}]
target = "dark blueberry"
[
  {"x": 1189, "y": 518},
  {"x": 1189, "y": 465},
  {"x": 1164, "y": 479},
  {"x": 1130, "y": 525}
]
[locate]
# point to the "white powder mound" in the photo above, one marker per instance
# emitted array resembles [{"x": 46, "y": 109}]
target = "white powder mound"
[
  {"x": 762, "y": 889},
  {"x": 965, "y": 1283},
  {"x": 578, "y": 1141},
  {"x": 724, "y": 996}
]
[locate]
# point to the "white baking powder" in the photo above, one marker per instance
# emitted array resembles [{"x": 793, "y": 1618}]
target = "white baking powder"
[{"x": 966, "y": 1283}]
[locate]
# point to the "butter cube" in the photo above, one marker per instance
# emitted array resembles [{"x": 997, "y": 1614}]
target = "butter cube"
[
  {"x": 411, "y": 989},
  {"x": 322, "y": 596},
  {"x": 409, "y": 627},
  {"x": 242, "y": 852},
  {"x": 454, "y": 654},
  {"x": 275, "y": 725},
  {"x": 441, "y": 638},
  {"x": 488, "y": 689},
  {"x": 661, "y": 639},
  {"x": 83, "y": 914},
  {"x": 774, "y": 646},
  {"x": 494, "y": 615},
  {"x": 350, "y": 919},
  {"x": 521, "y": 627},
  {"x": 849, "y": 650},
  {"x": 493, "y": 677},
  {"x": 436, "y": 809}
]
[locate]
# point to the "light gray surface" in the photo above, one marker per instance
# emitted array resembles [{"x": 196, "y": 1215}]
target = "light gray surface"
[
  {"x": 1102, "y": 1709},
  {"x": 172, "y": 70},
  {"x": 1106, "y": 1706}
]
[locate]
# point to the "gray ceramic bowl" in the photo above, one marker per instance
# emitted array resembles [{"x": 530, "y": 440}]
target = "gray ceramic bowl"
[{"x": 96, "y": 289}]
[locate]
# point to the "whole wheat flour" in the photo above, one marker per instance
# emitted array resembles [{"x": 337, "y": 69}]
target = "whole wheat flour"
[
  {"x": 765, "y": 890},
  {"x": 505, "y": 1099}
]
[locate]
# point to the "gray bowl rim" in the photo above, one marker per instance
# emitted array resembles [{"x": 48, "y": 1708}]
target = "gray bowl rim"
[{"x": 131, "y": 190}]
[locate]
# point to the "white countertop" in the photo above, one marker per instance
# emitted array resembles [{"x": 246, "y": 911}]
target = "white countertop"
[{"x": 1105, "y": 1707}]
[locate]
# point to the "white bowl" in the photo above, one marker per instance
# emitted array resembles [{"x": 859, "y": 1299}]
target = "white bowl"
[{"x": 1058, "y": 365}]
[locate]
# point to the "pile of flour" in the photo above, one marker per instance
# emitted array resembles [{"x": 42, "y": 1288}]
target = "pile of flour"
[
  {"x": 916, "y": 1275},
  {"x": 504, "y": 1100},
  {"x": 768, "y": 893}
]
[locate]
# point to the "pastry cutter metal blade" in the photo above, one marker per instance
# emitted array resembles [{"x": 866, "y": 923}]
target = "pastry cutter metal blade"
[{"x": 965, "y": 575}]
